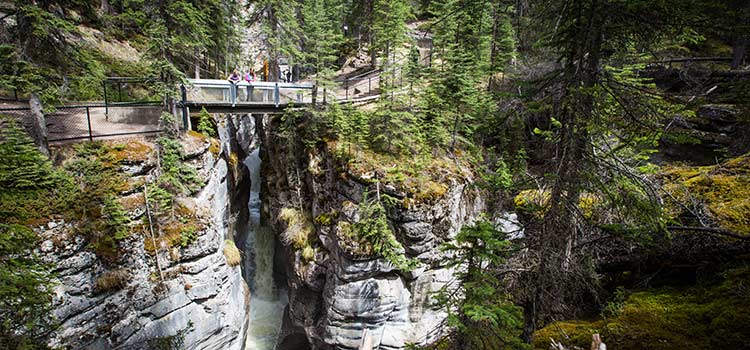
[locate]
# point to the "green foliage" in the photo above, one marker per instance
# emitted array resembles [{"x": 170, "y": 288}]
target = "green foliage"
[
  {"x": 205, "y": 124},
  {"x": 177, "y": 176},
  {"x": 188, "y": 235},
  {"x": 25, "y": 290},
  {"x": 321, "y": 29},
  {"x": 389, "y": 27},
  {"x": 501, "y": 177},
  {"x": 101, "y": 218},
  {"x": 28, "y": 181},
  {"x": 705, "y": 316},
  {"x": 373, "y": 229},
  {"x": 478, "y": 307},
  {"x": 22, "y": 166}
]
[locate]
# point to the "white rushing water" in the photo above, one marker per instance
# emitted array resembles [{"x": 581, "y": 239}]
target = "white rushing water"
[{"x": 267, "y": 301}]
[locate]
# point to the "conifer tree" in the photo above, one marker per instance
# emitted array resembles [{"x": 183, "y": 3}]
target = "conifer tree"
[
  {"x": 280, "y": 25},
  {"x": 322, "y": 37},
  {"x": 481, "y": 314},
  {"x": 25, "y": 287}
]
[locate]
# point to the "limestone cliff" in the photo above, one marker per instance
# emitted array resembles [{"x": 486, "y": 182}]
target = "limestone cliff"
[
  {"x": 336, "y": 294},
  {"x": 125, "y": 305}
]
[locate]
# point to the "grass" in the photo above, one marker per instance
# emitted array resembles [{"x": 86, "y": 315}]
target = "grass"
[
  {"x": 424, "y": 178},
  {"x": 299, "y": 228},
  {"x": 231, "y": 253}
]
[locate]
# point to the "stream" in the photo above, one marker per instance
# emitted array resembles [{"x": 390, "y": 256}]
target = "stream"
[{"x": 267, "y": 300}]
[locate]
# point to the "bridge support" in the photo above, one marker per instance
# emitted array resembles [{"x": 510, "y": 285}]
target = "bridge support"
[
  {"x": 276, "y": 94},
  {"x": 185, "y": 114}
]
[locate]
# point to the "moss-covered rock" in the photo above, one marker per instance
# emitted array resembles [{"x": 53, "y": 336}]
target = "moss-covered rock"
[
  {"x": 700, "y": 317},
  {"x": 723, "y": 188}
]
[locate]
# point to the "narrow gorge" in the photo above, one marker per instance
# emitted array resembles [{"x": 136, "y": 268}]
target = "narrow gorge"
[{"x": 374, "y": 175}]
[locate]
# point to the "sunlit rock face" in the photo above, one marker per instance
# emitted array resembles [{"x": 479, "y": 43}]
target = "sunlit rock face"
[
  {"x": 200, "y": 305},
  {"x": 337, "y": 298}
]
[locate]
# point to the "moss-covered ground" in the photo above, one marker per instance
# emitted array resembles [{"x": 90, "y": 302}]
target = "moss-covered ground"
[
  {"x": 712, "y": 315},
  {"x": 423, "y": 177}
]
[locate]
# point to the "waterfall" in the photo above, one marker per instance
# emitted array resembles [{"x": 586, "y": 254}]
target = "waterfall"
[{"x": 267, "y": 301}]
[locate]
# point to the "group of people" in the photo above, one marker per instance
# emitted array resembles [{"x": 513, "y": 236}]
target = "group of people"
[
  {"x": 250, "y": 77},
  {"x": 235, "y": 78}
]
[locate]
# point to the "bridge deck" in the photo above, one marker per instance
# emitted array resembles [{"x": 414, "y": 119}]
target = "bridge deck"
[{"x": 254, "y": 95}]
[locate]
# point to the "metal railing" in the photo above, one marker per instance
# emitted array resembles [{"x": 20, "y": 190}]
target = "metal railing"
[
  {"x": 222, "y": 92},
  {"x": 92, "y": 121}
]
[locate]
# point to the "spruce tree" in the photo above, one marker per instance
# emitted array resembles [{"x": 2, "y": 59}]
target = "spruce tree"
[{"x": 481, "y": 314}]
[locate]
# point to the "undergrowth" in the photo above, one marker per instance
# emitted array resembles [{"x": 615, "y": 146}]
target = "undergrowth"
[{"x": 712, "y": 315}]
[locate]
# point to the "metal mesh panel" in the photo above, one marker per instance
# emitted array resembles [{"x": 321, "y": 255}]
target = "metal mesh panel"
[{"x": 94, "y": 121}]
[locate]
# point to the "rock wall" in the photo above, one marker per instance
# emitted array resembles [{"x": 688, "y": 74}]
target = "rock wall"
[
  {"x": 336, "y": 298},
  {"x": 200, "y": 305}
]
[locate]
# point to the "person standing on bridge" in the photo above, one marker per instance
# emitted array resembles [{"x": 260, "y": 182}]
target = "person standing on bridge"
[
  {"x": 233, "y": 78},
  {"x": 250, "y": 79}
]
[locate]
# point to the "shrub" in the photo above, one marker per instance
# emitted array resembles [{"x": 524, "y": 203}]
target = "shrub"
[
  {"x": 176, "y": 175},
  {"x": 372, "y": 234},
  {"x": 713, "y": 316},
  {"x": 308, "y": 253},
  {"x": 205, "y": 124},
  {"x": 299, "y": 228},
  {"x": 111, "y": 281}
]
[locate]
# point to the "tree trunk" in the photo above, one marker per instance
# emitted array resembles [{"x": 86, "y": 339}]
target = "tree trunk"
[
  {"x": 38, "y": 124},
  {"x": 739, "y": 49},
  {"x": 197, "y": 64},
  {"x": 104, "y": 7}
]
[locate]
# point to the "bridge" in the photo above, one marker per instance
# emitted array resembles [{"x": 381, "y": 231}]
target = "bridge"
[
  {"x": 272, "y": 97},
  {"x": 216, "y": 93}
]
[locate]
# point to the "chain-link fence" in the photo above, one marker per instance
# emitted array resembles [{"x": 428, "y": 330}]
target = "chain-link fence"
[{"x": 94, "y": 121}]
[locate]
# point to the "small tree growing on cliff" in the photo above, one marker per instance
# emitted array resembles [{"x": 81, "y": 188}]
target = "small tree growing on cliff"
[
  {"x": 480, "y": 313},
  {"x": 25, "y": 288}
]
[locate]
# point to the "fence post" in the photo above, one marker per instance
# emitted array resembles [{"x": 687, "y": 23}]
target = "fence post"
[
  {"x": 15, "y": 94},
  {"x": 106, "y": 101},
  {"x": 183, "y": 92},
  {"x": 276, "y": 94},
  {"x": 369, "y": 85},
  {"x": 88, "y": 120},
  {"x": 346, "y": 86}
]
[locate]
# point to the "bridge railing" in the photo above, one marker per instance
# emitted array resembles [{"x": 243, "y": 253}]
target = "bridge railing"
[{"x": 219, "y": 92}]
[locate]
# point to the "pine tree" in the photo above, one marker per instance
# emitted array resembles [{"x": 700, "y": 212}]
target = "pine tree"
[
  {"x": 322, "y": 37},
  {"x": 281, "y": 29},
  {"x": 25, "y": 288},
  {"x": 22, "y": 166},
  {"x": 480, "y": 312}
]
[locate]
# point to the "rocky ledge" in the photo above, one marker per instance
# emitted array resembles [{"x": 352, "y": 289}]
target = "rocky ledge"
[{"x": 193, "y": 299}]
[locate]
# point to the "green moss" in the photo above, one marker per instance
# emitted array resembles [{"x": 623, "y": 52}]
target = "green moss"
[
  {"x": 423, "y": 177},
  {"x": 699, "y": 317},
  {"x": 326, "y": 219},
  {"x": 725, "y": 189}
]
